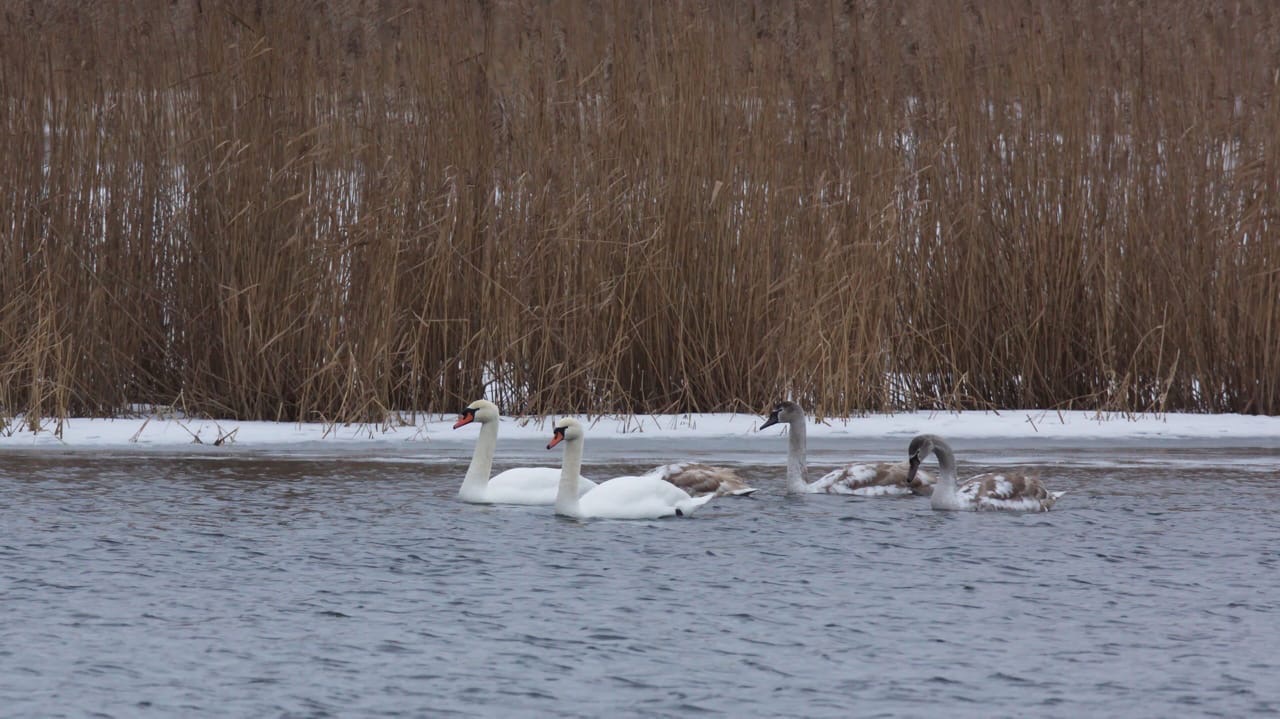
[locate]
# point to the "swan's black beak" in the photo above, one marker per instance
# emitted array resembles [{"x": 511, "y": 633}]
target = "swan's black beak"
[
  {"x": 467, "y": 416},
  {"x": 557, "y": 438},
  {"x": 773, "y": 419},
  {"x": 915, "y": 467}
]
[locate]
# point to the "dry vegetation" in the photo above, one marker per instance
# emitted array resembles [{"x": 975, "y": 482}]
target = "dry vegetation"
[{"x": 339, "y": 210}]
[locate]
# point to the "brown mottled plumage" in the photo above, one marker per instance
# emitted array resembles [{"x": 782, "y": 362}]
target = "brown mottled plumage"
[
  {"x": 997, "y": 486},
  {"x": 989, "y": 491},
  {"x": 877, "y": 479},
  {"x": 880, "y": 479},
  {"x": 899, "y": 473},
  {"x": 701, "y": 479}
]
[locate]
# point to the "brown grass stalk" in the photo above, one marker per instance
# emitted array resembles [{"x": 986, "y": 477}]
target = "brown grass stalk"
[{"x": 342, "y": 210}]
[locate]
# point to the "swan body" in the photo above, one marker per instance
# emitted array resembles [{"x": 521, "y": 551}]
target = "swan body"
[
  {"x": 990, "y": 491},
  {"x": 882, "y": 479},
  {"x": 521, "y": 485},
  {"x": 643, "y": 497},
  {"x": 699, "y": 479}
]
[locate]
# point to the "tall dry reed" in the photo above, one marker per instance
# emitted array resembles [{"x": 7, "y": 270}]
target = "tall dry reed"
[{"x": 344, "y": 210}]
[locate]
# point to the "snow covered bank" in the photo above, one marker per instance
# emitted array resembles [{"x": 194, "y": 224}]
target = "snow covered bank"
[{"x": 1027, "y": 425}]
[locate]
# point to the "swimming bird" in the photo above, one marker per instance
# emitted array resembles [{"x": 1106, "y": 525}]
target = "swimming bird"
[
  {"x": 645, "y": 497},
  {"x": 880, "y": 479},
  {"x": 991, "y": 491},
  {"x": 698, "y": 479},
  {"x": 521, "y": 485}
]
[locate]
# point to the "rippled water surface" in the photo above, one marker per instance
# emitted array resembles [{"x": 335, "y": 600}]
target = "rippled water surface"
[{"x": 234, "y": 584}]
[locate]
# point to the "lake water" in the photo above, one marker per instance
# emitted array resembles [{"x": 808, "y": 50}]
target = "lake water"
[{"x": 230, "y": 583}]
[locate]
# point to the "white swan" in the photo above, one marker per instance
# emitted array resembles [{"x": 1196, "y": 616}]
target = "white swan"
[
  {"x": 882, "y": 479},
  {"x": 646, "y": 497},
  {"x": 698, "y": 479},
  {"x": 521, "y": 485},
  {"x": 1009, "y": 492}
]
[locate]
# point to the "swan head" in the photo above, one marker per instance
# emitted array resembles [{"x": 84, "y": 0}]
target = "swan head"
[
  {"x": 566, "y": 430},
  {"x": 921, "y": 447},
  {"x": 481, "y": 410},
  {"x": 784, "y": 411}
]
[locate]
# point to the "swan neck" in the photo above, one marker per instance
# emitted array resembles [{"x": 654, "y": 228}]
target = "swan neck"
[
  {"x": 477, "y": 478},
  {"x": 797, "y": 482},
  {"x": 570, "y": 469},
  {"x": 944, "y": 491}
]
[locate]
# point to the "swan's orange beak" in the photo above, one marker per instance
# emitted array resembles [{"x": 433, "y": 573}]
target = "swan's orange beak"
[
  {"x": 467, "y": 417},
  {"x": 556, "y": 439}
]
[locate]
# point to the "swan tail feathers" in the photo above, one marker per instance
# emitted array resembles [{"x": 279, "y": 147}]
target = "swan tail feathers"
[
  {"x": 744, "y": 492},
  {"x": 685, "y": 508},
  {"x": 1047, "y": 504}
]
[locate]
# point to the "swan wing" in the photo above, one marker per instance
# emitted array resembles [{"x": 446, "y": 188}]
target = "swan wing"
[
  {"x": 1011, "y": 492},
  {"x": 645, "y": 497},
  {"x": 844, "y": 480},
  {"x": 898, "y": 472},
  {"x": 699, "y": 479},
  {"x": 885, "y": 479},
  {"x": 529, "y": 485}
]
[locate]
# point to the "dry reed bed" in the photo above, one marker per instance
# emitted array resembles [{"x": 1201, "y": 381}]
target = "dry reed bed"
[{"x": 337, "y": 211}]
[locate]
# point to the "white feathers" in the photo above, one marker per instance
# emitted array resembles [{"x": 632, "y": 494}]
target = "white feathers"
[
  {"x": 521, "y": 485},
  {"x": 645, "y": 497}
]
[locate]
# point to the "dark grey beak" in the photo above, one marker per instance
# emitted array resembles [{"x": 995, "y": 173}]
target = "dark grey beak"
[
  {"x": 915, "y": 467},
  {"x": 773, "y": 419}
]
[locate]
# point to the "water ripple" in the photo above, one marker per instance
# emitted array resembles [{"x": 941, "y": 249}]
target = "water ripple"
[{"x": 253, "y": 586}]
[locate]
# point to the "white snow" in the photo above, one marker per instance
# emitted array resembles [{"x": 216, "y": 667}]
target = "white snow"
[{"x": 1012, "y": 424}]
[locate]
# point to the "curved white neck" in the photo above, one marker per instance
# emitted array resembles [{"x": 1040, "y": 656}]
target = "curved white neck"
[
  {"x": 944, "y": 491},
  {"x": 796, "y": 466},
  {"x": 570, "y": 468},
  {"x": 482, "y": 460}
]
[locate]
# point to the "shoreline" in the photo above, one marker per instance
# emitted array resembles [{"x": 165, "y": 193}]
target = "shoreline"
[{"x": 1021, "y": 426}]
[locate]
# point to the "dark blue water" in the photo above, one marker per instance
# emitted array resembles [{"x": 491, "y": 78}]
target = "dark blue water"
[{"x": 235, "y": 584}]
